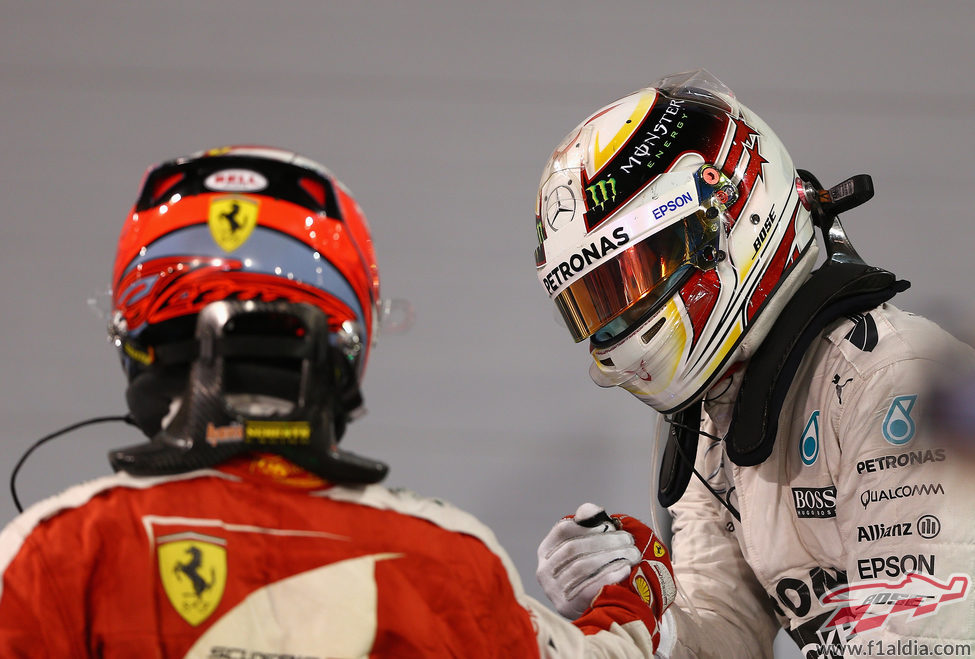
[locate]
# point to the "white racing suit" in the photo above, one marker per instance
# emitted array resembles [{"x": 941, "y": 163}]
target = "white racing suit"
[{"x": 858, "y": 529}]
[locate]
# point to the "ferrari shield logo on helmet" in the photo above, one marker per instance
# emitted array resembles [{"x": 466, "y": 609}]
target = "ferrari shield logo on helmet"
[
  {"x": 193, "y": 571},
  {"x": 232, "y": 220}
]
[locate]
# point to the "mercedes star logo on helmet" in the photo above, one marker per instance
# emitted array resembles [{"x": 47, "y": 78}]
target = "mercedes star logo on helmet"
[{"x": 560, "y": 207}]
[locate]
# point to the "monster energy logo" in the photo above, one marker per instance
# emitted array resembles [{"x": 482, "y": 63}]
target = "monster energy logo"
[
  {"x": 540, "y": 250},
  {"x": 602, "y": 192}
]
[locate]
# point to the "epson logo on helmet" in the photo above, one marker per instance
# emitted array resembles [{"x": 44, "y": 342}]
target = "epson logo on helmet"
[
  {"x": 672, "y": 205},
  {"x": 235, "y": 180}
]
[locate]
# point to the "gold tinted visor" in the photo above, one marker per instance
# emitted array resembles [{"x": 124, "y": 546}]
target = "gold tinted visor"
[{"x": 634, "y": 284}]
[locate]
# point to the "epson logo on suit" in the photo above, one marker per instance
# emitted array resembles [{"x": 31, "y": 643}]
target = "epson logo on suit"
[
  {"x": 895, "y": 566},
  {"x": 814, "y": 502}
]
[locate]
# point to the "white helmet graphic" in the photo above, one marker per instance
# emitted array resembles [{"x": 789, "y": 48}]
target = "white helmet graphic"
[{"x": 671, "y": 233}]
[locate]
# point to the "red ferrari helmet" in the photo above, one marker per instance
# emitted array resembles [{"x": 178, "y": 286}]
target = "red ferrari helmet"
[{"x": 236, "y": 224}]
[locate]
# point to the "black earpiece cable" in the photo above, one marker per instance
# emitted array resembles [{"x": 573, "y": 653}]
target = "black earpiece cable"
[
  {"x": 98, "y": 419},
  {"x": 689, "y": 460}
]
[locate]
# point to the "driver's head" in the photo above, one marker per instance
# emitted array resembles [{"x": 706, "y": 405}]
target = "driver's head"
[
  {"x": 670, "y": 234},
  {"x": 245, "y": 295}
]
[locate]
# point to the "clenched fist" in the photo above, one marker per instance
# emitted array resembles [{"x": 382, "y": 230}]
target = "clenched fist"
[{"x": 588, "y": 552}]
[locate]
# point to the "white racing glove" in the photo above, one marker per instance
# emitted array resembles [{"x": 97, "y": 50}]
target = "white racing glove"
[{"x": 581, "y": 554}]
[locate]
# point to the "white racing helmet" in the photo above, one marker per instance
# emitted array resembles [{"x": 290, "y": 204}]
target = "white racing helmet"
[{"x": 671, "y": 233}]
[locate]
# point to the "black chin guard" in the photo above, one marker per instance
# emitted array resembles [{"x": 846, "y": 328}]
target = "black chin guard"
[{"x": 279, "y": 350}]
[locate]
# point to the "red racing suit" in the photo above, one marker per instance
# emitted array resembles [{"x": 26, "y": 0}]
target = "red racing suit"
[
  {"x": 258, "y": 559},
  {"x": 857, "y": 530}
]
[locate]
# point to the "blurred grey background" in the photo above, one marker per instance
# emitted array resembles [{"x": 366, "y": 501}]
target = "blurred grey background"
[{"x": 439, "y": 116}]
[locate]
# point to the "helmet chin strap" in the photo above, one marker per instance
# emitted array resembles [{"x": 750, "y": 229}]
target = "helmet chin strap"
[{"x": 239, "y": 398}]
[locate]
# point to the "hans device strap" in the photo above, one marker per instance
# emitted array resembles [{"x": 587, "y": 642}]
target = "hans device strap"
[{"x": 843, "y": 285}]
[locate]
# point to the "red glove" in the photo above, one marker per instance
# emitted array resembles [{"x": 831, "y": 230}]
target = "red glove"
[
  {"x": 653, "y": 577},
  {"x": 643, "y": 595}
]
